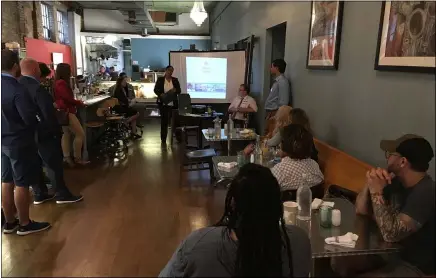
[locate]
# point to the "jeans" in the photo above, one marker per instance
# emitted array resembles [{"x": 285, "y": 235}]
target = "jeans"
[
  {"x": 50, "y": 151},
  {"x": 20, "y": 165}
]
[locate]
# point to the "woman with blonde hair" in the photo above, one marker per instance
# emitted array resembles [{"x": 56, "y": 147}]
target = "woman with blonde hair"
[
  {"x": 297, "y": 116},
  {"x": 64, "y": 99},
  {"x": 283, "y": 118}
]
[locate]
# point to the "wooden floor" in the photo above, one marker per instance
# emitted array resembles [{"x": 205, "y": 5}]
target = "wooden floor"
[{"x": 133, "y": 217}]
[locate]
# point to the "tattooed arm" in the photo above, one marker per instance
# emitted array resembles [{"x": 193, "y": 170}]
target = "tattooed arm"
[
  {"x": 394, "y": 225},
  {"x": 363, "y": 202}
]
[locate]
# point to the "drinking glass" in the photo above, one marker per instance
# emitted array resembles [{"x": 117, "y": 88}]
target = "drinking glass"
[
  {"x": 210, "y": 131},
  {"x": 241, "y": 159}
]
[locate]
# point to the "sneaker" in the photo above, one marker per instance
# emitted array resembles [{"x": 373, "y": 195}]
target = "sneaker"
[
  {"x": 10, "y": 228},
  {"x": 33, "y": 227},
  {"x": 69, "y": 199},
  {"x": 37, "y": 200}
]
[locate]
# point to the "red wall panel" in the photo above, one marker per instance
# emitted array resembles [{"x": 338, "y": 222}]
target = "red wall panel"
[{"x": 41, "y": 51}]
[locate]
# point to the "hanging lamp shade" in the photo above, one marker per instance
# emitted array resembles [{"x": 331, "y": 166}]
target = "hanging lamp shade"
[{"x": 198, "y": 13}]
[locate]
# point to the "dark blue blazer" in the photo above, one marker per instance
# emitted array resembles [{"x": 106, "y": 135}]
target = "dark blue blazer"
[
  {"x": 19, "y": 114},
  {"x": 49, "y": 126}
]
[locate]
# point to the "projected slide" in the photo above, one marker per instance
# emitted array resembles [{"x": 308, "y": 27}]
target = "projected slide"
[{"x": 206, "y": 77}]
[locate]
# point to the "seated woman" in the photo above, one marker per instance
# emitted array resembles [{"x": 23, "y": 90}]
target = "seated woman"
[
  {"x": 121, "y": 93},
  {"x": 250, "y": 240},
  {"x": 298, "y": 116},
  {"x": 296, "y": 166},
  {"x": 283, "y": 118}
]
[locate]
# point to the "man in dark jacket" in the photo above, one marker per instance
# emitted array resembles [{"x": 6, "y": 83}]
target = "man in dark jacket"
[
  {"x": 20, "y": 163},
  {"x": 49, "y": 134}
]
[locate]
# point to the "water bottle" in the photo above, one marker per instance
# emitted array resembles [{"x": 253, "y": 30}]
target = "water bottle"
[
  {"x": 304, "y": 201},
  {"x": 217, "y": 127},
  {"x": 230, "y": 125},
  {"x": 258, "y": 151}
]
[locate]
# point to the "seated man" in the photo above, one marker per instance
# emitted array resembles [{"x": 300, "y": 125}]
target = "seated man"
[
  {"x": 241, "y": 106},
  {"x": 401, "y": 199},
  {"x": 296, "y": 166}
]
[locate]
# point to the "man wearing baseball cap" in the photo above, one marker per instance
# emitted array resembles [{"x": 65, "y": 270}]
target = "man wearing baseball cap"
[{"x": 401, "y": 199}]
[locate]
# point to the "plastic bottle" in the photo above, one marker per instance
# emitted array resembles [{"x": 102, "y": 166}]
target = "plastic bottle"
[
  {"x": 304, "y": 201},
  {"x": 230, "y": 125}
]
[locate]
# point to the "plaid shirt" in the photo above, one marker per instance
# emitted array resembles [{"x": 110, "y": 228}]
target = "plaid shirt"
[{"x": 289, "y": 173}]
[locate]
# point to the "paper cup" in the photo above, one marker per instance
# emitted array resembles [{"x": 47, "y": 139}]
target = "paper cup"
[{"x": 290, "y": 212}]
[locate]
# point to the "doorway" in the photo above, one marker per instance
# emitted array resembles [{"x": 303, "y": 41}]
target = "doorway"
[{"x": 277, "y": 35}]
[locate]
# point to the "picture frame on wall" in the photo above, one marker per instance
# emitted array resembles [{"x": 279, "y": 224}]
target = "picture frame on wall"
[
  {"x": 324, "y": 35},
  {"x": 406, "y": 37}
]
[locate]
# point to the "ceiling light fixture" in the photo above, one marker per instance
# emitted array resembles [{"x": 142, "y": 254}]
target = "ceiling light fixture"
[{"x": 198, "y": 13}]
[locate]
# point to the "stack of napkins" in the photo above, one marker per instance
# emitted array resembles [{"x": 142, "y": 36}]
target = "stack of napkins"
[
  {"x": 347, "y": 240},
  {"x": 316, "y": 203},
  {"x": 227, "y": 166}
]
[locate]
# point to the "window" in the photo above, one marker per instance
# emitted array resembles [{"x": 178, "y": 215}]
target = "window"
[
  {"x": 62, "y": 27},
  {"x": 46, "y": 21}
]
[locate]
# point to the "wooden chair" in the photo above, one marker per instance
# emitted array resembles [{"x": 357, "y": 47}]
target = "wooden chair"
[{"x": 196, "y": 160}]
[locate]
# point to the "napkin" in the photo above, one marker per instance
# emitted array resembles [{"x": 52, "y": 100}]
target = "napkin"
[
  {"x": 316, "y": 203},
  {"x": 227, "y": 165},
  {"x": 347, "y": 240}
]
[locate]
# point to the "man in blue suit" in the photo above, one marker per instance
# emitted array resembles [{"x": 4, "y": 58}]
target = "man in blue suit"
[
  {"x": 49, "y": 134},
  {"x": 19, "y": 157}
]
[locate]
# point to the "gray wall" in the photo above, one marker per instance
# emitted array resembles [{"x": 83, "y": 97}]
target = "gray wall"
[{"x": 352, "y": 108}]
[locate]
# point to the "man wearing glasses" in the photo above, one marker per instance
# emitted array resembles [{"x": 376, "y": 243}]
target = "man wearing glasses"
[{"x": 401, "y": 200}]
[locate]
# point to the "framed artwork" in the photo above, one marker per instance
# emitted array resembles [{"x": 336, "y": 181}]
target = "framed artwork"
[
  {"x": 324, "y": 35},
  {"x": 406, "y": 38}
]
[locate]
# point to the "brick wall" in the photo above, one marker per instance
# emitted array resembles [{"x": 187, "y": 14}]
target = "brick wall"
[
  {"x": 10, "y": 18},
  {"x": 23, "y": 19}
]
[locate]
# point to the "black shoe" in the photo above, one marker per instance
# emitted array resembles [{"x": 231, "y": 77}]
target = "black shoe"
[
  {"x": 69, "y": 200},
  {"x": 33, "y": 227},
  {"x": 136, "y": 136},
  {"x": 37, "y": 200},
  {"x": 10, "y": 228}
]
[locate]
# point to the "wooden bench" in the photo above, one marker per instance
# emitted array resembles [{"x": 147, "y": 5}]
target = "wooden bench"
[{"x": 340, "y": 168}]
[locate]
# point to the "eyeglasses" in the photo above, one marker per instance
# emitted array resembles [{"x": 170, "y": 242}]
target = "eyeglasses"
[{"x": 389, "y": 154}]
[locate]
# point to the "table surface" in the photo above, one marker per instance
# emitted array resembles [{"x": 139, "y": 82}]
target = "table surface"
[
  {"x": 370, "y": 240},
  {"x": 229, "y": 174},
  {"x": 205, "y": 116},
  {"x": 95, "y": 99},
  {"x": 234, "y": 136}
]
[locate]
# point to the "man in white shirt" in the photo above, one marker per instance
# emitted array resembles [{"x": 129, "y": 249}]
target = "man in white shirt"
[{"x": 241, "y": 106}]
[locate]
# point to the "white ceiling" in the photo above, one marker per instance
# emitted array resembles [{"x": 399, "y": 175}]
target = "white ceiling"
[{"x": 111, "y": 16}]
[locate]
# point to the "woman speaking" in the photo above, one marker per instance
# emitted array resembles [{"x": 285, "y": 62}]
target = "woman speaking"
[{"x": 167, "y": 88}]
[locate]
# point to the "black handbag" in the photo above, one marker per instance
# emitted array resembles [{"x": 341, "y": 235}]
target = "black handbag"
[{"x": 63, "y": 118}]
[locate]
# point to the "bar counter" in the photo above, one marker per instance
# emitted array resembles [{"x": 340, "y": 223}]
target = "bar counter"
[{"x": 89, "y": 113}]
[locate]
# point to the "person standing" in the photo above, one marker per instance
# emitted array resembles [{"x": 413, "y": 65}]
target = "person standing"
[
  {"x": 279, "y": 95},
  {"x": 49, "y": 134},
  {"x": 166, "y": 85},
  {"x": 64, "y": 99},
  {"x": 19, "y": 158},
  {"x": 241, "y": 106}
]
